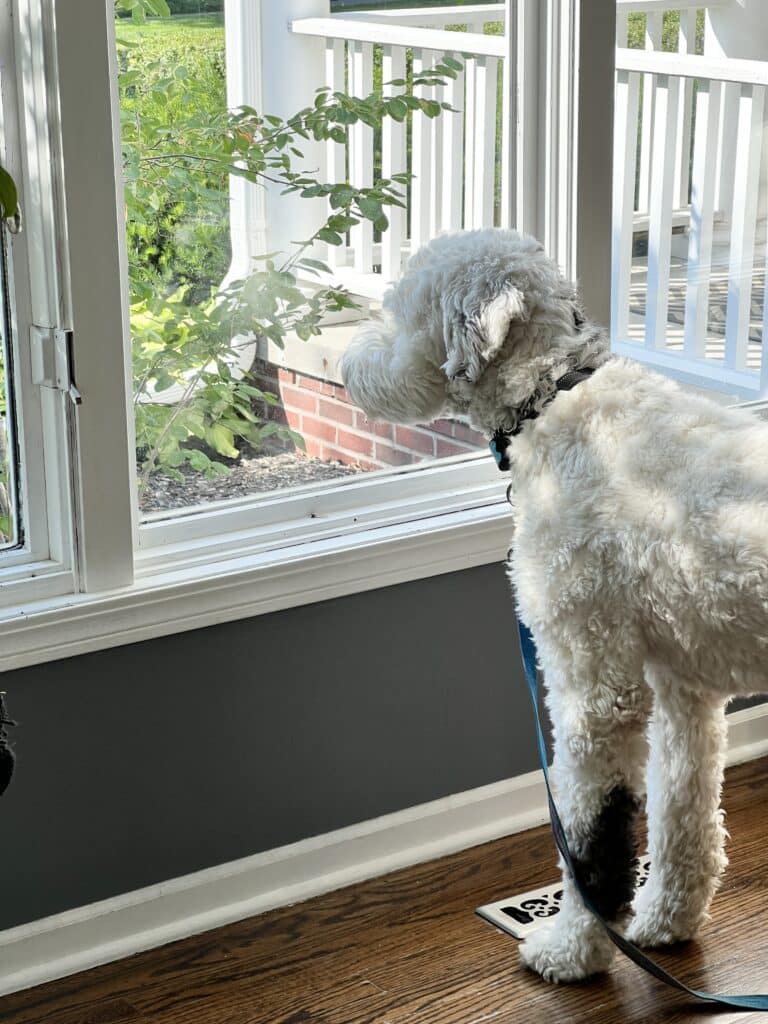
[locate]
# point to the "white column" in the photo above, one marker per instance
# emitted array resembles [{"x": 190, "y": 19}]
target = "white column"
[
  {"x": 275, "y": 72},
  {"x": 737, "y": 30}
]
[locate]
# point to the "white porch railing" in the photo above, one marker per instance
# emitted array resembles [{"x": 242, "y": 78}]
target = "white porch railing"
[
  {"x": 694, "y": 305},
  {"x": 456, "y": 159},
  {"x": 697, "y": 309}
]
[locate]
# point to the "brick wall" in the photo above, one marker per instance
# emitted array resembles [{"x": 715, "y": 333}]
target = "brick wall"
[{"x": 334, "y": 430}]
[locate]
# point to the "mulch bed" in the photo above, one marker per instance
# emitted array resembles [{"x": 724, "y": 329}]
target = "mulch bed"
[{"x": 256, "y": 474}]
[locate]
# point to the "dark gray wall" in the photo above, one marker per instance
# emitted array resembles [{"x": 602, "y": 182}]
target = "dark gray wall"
[{"x": 141, "y": 763}]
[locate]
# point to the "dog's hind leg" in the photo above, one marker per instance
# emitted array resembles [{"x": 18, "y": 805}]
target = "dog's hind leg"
[
  {"x": 599, "y": 712},
  {"x": 686, "y": 835}
]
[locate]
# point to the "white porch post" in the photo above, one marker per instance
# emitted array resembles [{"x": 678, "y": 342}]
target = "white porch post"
[
  {"x": 579, "y": 66},
  {"x": 737, "y": 30},
  {"x": 276, "y": 72},
  {"x": 520, "y": 126}
]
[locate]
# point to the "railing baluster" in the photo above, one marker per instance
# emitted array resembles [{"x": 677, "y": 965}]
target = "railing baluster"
[
  {"x": 764, "y": 335},
  {"x": 485, "y": 141},
  {"x": 686, "y": 44},
  {"x": 421, "y": 161},
  {"x": 700, "y": 237},
  {"x": 624, "y": 169},
  {"x": 667, "y": 92},
  {"x": 622, "y": 27},
  {"x": 361, "y": 152},
  {"x": 470, "y": 82},
  {"x": 453, "y": 153},
  {"x": 336, "y": 152},
  {"x": 743, "y": 224},
  {"x": 438, "y": 163},
  {"x": 653, "y": 35},
  {"x": 393, "y": 161}
]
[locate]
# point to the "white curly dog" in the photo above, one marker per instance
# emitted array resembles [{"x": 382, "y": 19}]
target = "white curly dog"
[{"x": 639, "y": 561}]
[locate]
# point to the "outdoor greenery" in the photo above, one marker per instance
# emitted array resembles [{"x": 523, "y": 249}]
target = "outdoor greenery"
[
  {"x": 180, "y": 143},
  {"x": 669, "y": 33}
]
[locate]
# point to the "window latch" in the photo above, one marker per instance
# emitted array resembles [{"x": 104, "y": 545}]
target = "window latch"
[{"x": 53, "y": 361}]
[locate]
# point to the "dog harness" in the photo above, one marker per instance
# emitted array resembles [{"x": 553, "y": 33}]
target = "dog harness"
[{"x": 498, "y": 445}]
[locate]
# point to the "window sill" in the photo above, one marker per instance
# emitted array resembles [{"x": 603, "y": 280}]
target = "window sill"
[{"x": 241, "y": 586}]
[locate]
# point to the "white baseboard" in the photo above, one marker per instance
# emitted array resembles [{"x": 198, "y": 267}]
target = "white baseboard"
[{"x": 101, "y": 932}]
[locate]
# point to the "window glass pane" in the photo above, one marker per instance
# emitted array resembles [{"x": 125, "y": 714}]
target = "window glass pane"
[
  {"x": 690, "y": 174},
  {"x": 9, "y": 519},
  {"x": 236, "y": 390}
]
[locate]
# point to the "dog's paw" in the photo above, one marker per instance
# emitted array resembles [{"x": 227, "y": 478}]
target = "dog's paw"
[
  {"x": 564, "y": 956},
  {"x": 651, "y": 928}
]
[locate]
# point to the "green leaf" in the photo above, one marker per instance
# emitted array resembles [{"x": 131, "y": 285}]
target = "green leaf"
[
  {"x": 397, "y": 108},
  {"x": 9, "y": 197},
  {"x": 331, "y": 237},
  {"x": 222, "y": 440},
  {"x": 341, "y": 195},
  {"x": 370, "y": 208},
  {"x": 315, "y": 264},
  {"x": 430, "y": 107}
]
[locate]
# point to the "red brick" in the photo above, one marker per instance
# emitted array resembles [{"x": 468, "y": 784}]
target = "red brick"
[
  {"x": 355, "y": 443},
  {"x": 293, "y": 419},
  {"x": 310, "y": 383},
  {"x": 417, "y": 440},
  {"x": 394, "y": 456},
  {"x": 372, "y": 427},
  {"x": 464, "y": 433},
  {"x": 286, "y": 376},
  {"x": 340, "y": 393},
  {"x": 313, "y": 448},
  {"x": 299, "y": 399},
  {"x": 452, "y": 448},
  {"x": 442, "y": 427},
  {"x": 321, "y": 429},
  {"x": 331, "y": 410}
]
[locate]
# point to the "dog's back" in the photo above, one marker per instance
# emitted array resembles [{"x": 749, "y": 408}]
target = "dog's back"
[{"x": 657, "y": 500}]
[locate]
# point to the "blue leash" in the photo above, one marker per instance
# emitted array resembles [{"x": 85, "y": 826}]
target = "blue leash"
[{"x": 753, "y": 1002}]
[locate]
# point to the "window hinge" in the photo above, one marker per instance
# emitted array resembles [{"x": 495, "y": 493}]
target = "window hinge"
[{"x": 53, "y": 361}]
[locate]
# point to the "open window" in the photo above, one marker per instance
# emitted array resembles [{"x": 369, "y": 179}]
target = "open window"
[{"x": 215, "y": 466}]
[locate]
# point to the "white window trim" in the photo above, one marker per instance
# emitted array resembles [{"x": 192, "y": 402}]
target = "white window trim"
[{"x": 241, "y": 587}]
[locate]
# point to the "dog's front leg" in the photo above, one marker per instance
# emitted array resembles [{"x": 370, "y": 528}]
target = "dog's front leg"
[{"x": 599, "y": 720}]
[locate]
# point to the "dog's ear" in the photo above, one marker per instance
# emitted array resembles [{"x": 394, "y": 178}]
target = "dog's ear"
[{"x": 471, "y": 342}]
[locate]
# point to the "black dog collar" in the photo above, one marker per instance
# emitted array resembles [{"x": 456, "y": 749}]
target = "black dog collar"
[{"x": 499, "y": 443}]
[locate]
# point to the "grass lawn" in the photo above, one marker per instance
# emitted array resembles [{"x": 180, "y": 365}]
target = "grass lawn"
[{"x": 156, "y": 28}]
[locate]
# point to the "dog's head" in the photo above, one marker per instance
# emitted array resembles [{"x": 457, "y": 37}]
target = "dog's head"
[{"x": 469, "y": 329}]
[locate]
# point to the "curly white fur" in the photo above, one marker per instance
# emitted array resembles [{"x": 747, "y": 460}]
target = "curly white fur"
[{"x": 640, "y": 556}]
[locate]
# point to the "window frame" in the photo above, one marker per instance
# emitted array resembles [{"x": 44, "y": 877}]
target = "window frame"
[
  {"x": 41, "y": 564},
  {"x": 120, "y": 580}
]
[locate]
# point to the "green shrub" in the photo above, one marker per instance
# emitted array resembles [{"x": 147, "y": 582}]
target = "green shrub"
[
  {"x": 180, "y": 145},
  {"x": 178, "y": 230},
  {"x": 196, "y": 6},
  {"x": 669, "y": 32}
]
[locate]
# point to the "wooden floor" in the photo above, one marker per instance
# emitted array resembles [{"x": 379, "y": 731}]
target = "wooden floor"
[{"x": 408, "y": 948}]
